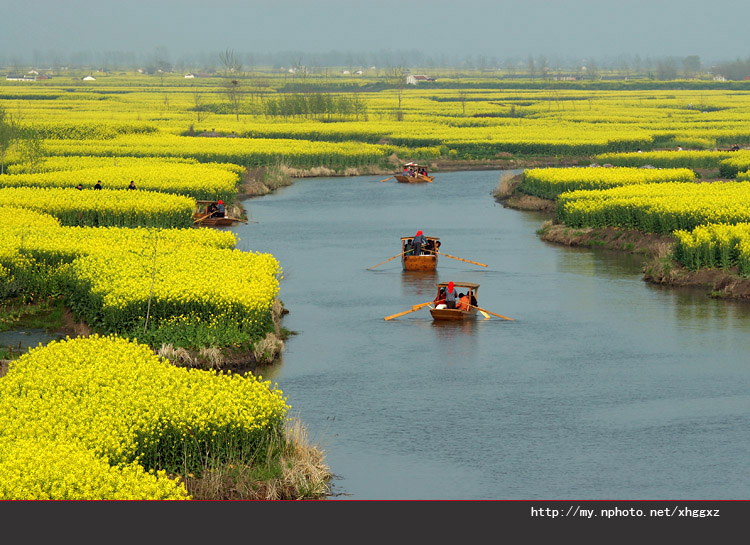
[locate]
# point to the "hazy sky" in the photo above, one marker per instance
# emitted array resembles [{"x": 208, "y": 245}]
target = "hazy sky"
[{"x": 495, "y": 28}]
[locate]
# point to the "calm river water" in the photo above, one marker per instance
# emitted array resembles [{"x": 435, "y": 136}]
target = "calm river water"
[{"x": 604, "y": 386}]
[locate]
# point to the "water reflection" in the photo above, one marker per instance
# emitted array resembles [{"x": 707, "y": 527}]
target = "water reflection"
[
  {"x": 420, "y": 285},
  {"x": 22, "y": 340},
  {"x": 450, "y": 329}
]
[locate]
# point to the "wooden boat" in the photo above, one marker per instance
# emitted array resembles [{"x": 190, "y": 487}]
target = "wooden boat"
[
  {"x": 456, "y": 313},
  {"x": 428, "y": 259},
  {"x": 203, "y": 218},
  {"x": 414, "y": 177}
]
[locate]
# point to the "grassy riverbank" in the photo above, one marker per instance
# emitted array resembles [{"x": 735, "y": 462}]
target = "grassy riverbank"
[{"x": 660, "y": 267}]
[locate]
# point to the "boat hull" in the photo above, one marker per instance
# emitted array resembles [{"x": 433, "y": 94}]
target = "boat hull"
[
  {"x": 452, "y": 314},
  {"x": 215, "y": 222},
  {"x": 413, "y": 179},
  {"x": 419, "y": 262}
]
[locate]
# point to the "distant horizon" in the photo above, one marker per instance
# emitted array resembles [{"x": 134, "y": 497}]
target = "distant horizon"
[
  {"x": 207, "y": 61},
  {"x": 386, "y": 33}
]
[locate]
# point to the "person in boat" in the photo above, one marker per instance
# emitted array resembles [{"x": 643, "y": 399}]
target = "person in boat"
[
  {"x": 463, "y": 301},
  {"x": 220, "y": 210},
  {"x": 439, "y": 300},
  {"x": 211, "y": 209},
  {"x": 432, "y": 246},
  {"x": 98, "y": 184},
  {"x": 418, "y": 242},
  {"x": 451, "y": 295},
  {"x": 132, "y": 185}
]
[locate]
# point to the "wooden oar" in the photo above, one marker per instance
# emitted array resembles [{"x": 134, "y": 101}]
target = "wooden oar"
[
  {"x": 386, "y": 179},
  {"x": 415, "y": 307},
  {"x": 386, "y": 261},
  {"x": 483, "y": 310},
  {"x": 454, "y": 257}
]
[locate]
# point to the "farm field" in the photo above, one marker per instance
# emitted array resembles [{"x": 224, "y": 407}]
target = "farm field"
[{"x": 150, "y": 286}]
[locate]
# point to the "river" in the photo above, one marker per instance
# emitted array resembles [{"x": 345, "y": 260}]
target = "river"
[{"x": 602, "y": 387}]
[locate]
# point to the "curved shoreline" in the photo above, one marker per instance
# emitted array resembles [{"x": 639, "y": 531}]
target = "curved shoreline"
[{"x": 660, "y": 268}]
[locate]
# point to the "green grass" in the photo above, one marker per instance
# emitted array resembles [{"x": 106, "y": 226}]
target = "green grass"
[{"x": 45, "y": 315}]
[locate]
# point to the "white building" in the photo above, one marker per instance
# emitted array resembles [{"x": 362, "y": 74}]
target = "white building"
[{"x": 414, "y": 79}]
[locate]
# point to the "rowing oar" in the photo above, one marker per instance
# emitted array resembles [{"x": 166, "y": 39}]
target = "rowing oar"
[
  {"x": 386, "y": 179},
  {"x": 386, "y": 261},
  {"x": 484, "y": 310},
  {"x": 454, "y": 257},
  {"x": 415, "y": 307}
]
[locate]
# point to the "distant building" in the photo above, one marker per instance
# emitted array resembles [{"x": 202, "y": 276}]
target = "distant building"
[
  {"x": 414, "y": 79},
  {"x": 88, "y": 78},
  {"x": 19, "y": 77},
  {"x": 358, "y": 72},
  {"x": 190, "y": 76}
]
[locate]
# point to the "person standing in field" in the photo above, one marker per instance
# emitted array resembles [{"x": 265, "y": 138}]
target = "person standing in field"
[
  {"x": 98, "y": 184},
  {"x": 79, "y": 187},
  {"x": 417, "y": 243},
  {"x": 132, "y": 185}
]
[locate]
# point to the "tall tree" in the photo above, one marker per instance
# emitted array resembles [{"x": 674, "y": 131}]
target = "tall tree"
[
  {"x": 691, "y": 65},
  {"x": 8, "y": 134},
  {"x": 232, "y": 84},
  {"x": 32, "y": 148},
  {"x": 396, "y": 78}
]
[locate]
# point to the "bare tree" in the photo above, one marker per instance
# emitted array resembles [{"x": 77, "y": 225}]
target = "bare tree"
[
  {"x": 198, "y": 105},
  {"x": 462, "y": 93},
  {"x": 396, "y": 78},
  {"x": 233, "y": 84}
]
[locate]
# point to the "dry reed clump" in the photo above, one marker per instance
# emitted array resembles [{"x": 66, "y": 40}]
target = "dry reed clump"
[
  {"x": 178, "y": 356},
  {"x": 507, "y": 185},
  {"x": 277, "y": 309},
  {"x": 298, "y": 472},
  {"x": 236, "y": 211},
  {"x": 351, "y": 171},
  {"x": 306, "y": 173},
  {"x": 205, "y": 358},
  {"x": 267, "y": 349},
  {"x": 210, "y": 357}
]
